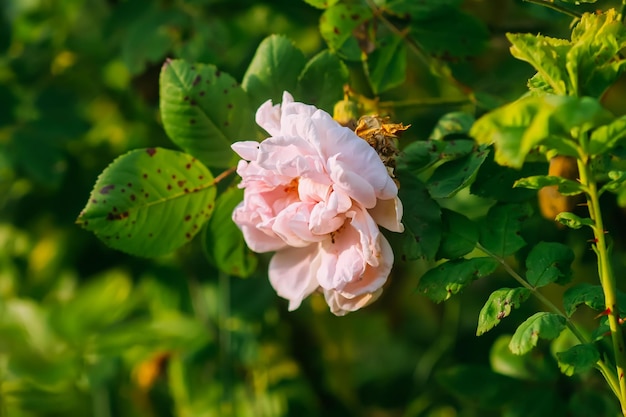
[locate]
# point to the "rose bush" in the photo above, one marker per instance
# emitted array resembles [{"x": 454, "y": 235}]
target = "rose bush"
[{"x": 316, "y": 194}]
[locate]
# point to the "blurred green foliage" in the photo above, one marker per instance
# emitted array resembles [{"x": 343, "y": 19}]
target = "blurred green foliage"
[{"x": 88, "y": 331}]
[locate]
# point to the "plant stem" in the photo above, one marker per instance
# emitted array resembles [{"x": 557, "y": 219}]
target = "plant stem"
[
  {"x": 551, "y": 5},
  {"x": 622, "y": 11},
  {"x": 605, "y": 271},
  {"x": 609, "y": 376}
]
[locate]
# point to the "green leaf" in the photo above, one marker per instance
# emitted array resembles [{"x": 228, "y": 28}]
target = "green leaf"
[
  {"x": 617, "y": 181},
  {"x": 573, "y": 221},
  {"x": 547, "y": 55},
  {"x": 499, "y": 306},
  {"x": 452, "y": 124},
  {"x": 422, "y": 219},
  {"x": 549, "y": 262},
  {"x": 274, "y": 69},
  {"x": 204, "y": 111},
  {"x": 479, "y": 385},
  {"x": 338, "y": 24},
  {"x": 496, "y": 181},
  {"x": 386, "y": 65},
  {"x": 459, "y": 237},
  {"x": 450, "y": 178},
  {"x": 223, "y": 241},
  {"x": 590, "y": 295},
  {"x": 149, "y": 202},
  {"x": 542, "y": 324},
  {"x": 524, "y": 367},
  {"x": 321, "y": 81},
  {"x": 450, "y": 33},
  {"x": 565, "y": 186},
  {"x": 553, "y": 122},
  {"x": 607, "y": 137},
  {"x": 450, "y": 277},
  {"x": 422, "y": 155},
  {"x": 578, "y": 359},
  {"x": 500, "y": 230},
  {"x": 321, "y": 4}
]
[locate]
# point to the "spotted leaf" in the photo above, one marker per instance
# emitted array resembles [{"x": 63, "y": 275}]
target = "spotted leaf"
[
  {"x": 204, "y": 110},
  {"x": 149, "y": 202}
]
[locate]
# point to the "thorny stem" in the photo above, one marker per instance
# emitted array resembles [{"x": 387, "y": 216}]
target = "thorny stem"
[
  {"x": 553, "y": 6},
  {"x": 602, "y": 367},
  {"x": 605, "y": 271}
]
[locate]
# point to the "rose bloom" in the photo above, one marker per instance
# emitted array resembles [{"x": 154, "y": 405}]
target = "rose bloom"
[{"x": 316, "y": 194}]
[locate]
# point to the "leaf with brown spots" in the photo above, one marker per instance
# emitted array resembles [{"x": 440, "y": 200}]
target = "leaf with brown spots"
[
  {"x": 164, "y": 216},
  {"x": 204, "y": 111}
]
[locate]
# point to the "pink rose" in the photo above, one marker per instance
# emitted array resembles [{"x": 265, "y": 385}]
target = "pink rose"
[{"x": 316, "y": 193}]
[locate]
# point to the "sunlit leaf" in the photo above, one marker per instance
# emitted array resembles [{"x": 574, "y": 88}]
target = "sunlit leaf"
[
  {"x": 274, "y": 69},
  {"x": 524, "y": 367},
  {"x": 322, "y": 4},
  {"x": 459, "y": 237},
  {"x": 450, "y": 277},
  {"x": 149, "y": 202},
  {"x": 606, "y": 137},
  {"x": 549, "y": 262},
  {"x": 338, "y": 26},
  {"x": 573, "y": 221},
  {"x": 578, "y": 359},
  {"x": 204, "y": 111},
  {"x": 539, "y": 325},
  {"x": 321, "y": 81},
  {"x": 500, "y": 230},
  {"x": 223, "y": 241},
  {"x": 499, "y": 306},
  {"x": 565, "y": 186}
]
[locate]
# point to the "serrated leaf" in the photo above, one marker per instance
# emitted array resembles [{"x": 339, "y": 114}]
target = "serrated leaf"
[
  {"x": 274, "y": 69},
  {"x": 337, "y": 26},
  {"x": 459, "y": 237},
  {"x": 203, "y": 111},
  {"x": 452, "y": 124},
  {"x": 590, "y": 295},
  {"x": 539, "y": 325},
  {"x": 578, "y": 359},
  {"x": 421, "y": 218},
  {"x": 223, "y": 241},
  {"x": 573, "y": 221},
  {"x": 386, "y": 65},
  {"x": 451, "y": 177},
  {"x": 536, "y": 182},
  {"x": 549, "y": 121},
  {"x": 422, "y": 155},
  {"x": 606, "y": 137},
  {"x": 444, "y": 280},
  {"x": 450, "y": 33},
  {"x": 500, "y": 230},
  {"x": 499, "y": 306},
  {"x": 549, "y": 262},
  {"x": 149, "y": 202},
  {"x": 321, "y": 81}
]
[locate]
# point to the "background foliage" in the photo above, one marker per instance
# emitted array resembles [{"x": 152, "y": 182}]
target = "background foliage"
[{"x": 86, "y": 330}]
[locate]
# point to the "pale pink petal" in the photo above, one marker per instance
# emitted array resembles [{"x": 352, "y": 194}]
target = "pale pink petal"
[
  {"x": 388, "y": 213},
  {"x": 374, "y": 277},
  {"x": 341, "y": 258},
  {"x": 291, "y": 273},
  {"x": 292, "y": 225},
  {"x": 248, "y": 150},
  {"x": 340, "y": 305}
]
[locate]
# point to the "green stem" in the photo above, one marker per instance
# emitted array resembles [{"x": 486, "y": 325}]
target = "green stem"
[
  {"x": 605, "y": 271},
  {"x": 560, "y": 9},
  {"x": 622, "y": 11},
  {"x": 609, "y": 376}
]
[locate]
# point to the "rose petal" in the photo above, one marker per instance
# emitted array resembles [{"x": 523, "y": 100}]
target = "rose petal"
[
  {"x": 291, "y": 273},
  {"x": 388, "y": 213}
]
